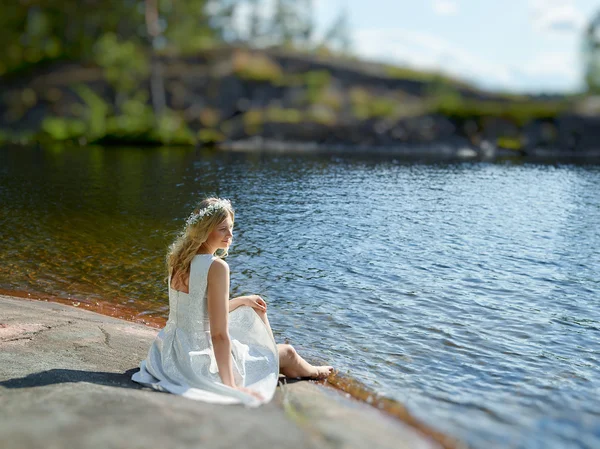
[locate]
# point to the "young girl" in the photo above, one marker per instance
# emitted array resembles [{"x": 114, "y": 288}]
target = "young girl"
[{"x": 212, "y": 348}]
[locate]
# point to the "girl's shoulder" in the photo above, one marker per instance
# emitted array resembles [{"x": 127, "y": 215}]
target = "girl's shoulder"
[
  {"x": 208, "y": 261},
  {"x": 201, "y": 264},
  {"x": 219, "y": 264},
  {"x": 218, "y": 271}
]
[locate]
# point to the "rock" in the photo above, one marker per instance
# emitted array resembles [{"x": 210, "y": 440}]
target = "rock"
[
  {"x": 360, "y": 426},
  {"x": 65, "y": 381},
  {"x": 466, "y": 153}
]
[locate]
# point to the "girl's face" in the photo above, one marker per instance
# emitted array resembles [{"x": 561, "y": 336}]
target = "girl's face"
[{"x": 221, "y": 236}]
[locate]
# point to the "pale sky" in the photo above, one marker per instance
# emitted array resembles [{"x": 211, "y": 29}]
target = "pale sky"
[{"x": 517, "y": 45}]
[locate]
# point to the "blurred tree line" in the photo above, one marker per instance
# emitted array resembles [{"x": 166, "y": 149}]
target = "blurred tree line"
[
  {"x": 126, "y": 43},
  {"x": 39, "y": 31}
]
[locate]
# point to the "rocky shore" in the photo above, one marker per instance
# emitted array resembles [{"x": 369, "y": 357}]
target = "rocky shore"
[
  {"x": 235, "y": 98},
  {"x": 65, "y": 382}
]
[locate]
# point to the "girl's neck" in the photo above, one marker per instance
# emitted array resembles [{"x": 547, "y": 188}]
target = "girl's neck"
[{"x": 204, "y": 250}]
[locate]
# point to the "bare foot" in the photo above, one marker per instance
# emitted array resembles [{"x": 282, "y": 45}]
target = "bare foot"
[{"x": 321, "y": 372}]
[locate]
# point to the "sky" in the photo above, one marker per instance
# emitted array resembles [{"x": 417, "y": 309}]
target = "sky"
[{"x": 509, "y": 45}]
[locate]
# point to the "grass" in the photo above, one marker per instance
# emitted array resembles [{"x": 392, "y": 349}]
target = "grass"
[
  {"x": 366, "y": 105},
  {"x": 510, "y": 143},
  {"x": 256, "y": 67},
  {"x": 518, "y": 113}
]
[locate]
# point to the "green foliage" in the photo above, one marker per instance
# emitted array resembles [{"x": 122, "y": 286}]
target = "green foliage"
[
  {"x": 518, "y": 113},
  {"x": 210, "y": 136},
  {"x": 60, "y": 128},
  {"x": 28, "y": 97},
  {"x": 188, "y": 28},
  {"x": 27, "y": 35},
  {"x": 322, "y": 115},
  {"x": 437, "y": 79},
  {"x": 256, "y": 67},
  {"x": 509, "y": 143},
  {"x": 382, "y": 107},
  {"x": 135, "y": 120},
  {"x": 39, "y": 31},
  {"x": 97, "y": 111},
  {"x": 332, "y": 99},
  {"x": 316, "y": 81},
  {"x": 366, "y": 106},
  {"x": 125, "y": 63},
  {"x": 134, "y": 123},
  {"x": 20, "y": 137},
  {"x": 253, "y": 121},
  {"x": 172, "y": 129},
  {"x": 283, "y": 115},
  {"x": 359, "y": 99},
  {"x": 446, "y": 99}
]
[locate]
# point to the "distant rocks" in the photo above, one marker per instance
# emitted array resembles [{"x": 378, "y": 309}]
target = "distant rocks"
[{"x": 235, "y": 98}]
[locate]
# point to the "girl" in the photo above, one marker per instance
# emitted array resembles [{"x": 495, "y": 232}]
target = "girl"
[{"x": 212, "y": 348}]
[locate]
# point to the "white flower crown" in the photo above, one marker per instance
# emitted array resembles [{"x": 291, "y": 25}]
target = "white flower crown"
[{"x": 208, "y": 210}]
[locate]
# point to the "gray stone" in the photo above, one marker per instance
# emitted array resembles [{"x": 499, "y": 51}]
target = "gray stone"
[{"x": 65, "y": 383}]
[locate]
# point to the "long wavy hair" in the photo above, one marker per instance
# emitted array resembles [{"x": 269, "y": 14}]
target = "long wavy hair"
[{"x": 188, "y": 243}]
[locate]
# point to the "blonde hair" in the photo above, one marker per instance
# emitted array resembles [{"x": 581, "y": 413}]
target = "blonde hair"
[{"x": 186, "y": 246}]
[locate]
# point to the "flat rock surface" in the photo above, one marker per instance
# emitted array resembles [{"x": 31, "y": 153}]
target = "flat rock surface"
[{"x": 65, "y": 383}]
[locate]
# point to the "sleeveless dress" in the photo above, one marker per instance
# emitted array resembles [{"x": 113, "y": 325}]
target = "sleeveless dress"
[{"x": 181, "y": 359}]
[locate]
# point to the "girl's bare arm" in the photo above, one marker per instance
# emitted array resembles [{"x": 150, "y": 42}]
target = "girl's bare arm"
[{"x": 218, "y": 311}]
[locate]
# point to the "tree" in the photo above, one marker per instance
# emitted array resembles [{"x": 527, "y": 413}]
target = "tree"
[
  {"x": 35, "y": 31},
  {"x": 292, "y": 23},
  {"x": 153, "y": 30},
  {"x": 338, "y": 35},
  {"x": 221, "y": 14},
  {"x": 592, "y": 55},
  {"x": 254, "y": 28},
  {"x": 187, "y": 23}
]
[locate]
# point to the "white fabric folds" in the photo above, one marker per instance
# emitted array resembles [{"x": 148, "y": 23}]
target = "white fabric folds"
[{"x": 181, "y": 359}]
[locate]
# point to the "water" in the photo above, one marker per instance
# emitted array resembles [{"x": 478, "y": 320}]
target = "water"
[{"x": 469, "y": 292}]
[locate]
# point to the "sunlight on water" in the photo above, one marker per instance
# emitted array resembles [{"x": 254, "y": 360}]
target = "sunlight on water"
[{"x": 468, "y": 292}]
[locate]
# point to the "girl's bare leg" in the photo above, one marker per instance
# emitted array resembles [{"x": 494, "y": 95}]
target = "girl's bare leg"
[
  {"x": 292, "y": 365},
  {"x": 290, "y": 362}
]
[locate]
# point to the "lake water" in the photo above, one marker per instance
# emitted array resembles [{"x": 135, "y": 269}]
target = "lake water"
[{"x": 469, "y": 292}]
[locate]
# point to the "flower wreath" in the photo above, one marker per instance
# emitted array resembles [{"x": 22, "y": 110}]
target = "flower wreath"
[{"x": 195, "y": 217}]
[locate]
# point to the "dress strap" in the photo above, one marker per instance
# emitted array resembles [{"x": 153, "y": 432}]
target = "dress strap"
[{"x": 199, "y": 272}]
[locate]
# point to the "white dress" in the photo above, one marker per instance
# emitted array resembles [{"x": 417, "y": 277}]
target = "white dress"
[{"x": 181, "y": 359}]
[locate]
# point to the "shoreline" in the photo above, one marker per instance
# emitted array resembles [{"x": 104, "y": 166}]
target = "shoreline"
[
  {"x": 461, "y": 150},
  {"x": 345, "y": 385},
  {"x": 435, "y": 151},
  {"x": 272, "y": 95}
]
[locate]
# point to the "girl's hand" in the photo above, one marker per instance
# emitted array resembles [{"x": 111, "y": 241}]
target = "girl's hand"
[
  {"x": 256, "y": 302},
  {"x": 251, "y": 393}
]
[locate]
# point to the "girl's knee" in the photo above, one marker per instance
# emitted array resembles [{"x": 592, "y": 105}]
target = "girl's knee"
[{"x": 288, "y": 351}]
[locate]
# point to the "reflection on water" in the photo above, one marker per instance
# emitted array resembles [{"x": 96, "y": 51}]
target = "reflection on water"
[{"x": 468, "y": 292}]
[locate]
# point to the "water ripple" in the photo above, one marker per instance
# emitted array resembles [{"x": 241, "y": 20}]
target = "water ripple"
[{"x": 469, "y": 292}]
